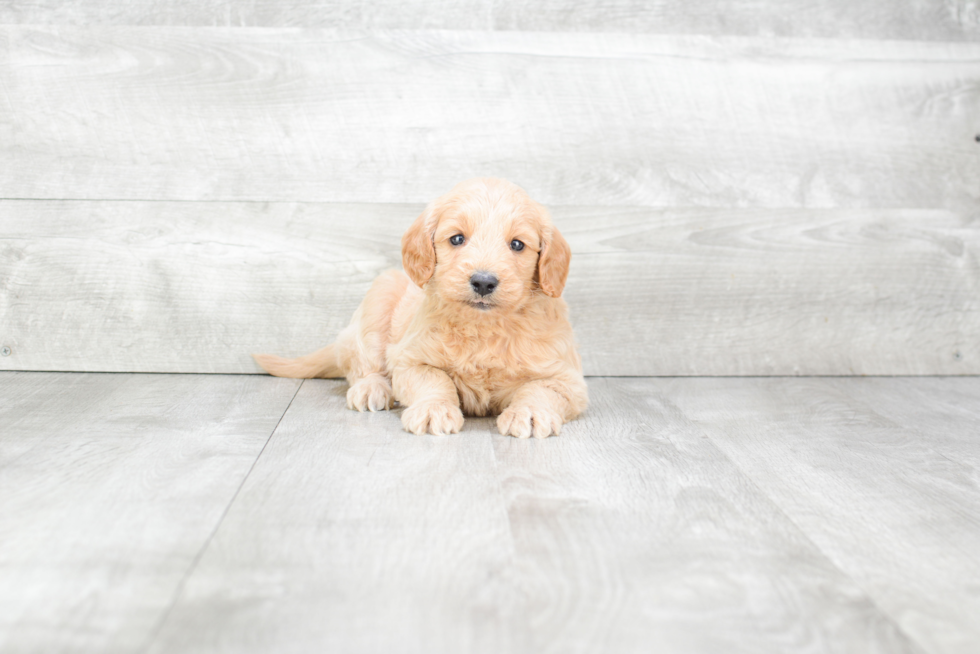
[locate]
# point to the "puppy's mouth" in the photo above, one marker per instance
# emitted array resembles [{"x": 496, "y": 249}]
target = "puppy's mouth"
[{"x": 481, "y": 305}]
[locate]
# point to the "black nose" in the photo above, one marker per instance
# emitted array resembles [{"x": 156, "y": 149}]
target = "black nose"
[{"x": 484, "y": 283}]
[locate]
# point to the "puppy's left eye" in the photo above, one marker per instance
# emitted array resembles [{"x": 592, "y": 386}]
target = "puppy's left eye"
[{"x": 516, "y": 245}]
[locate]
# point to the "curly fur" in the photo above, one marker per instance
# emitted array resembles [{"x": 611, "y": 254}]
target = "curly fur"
[{"x": 426, "y": 339}]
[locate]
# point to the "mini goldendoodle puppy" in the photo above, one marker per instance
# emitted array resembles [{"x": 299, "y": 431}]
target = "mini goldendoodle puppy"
[{"x": 478, "y": 321}]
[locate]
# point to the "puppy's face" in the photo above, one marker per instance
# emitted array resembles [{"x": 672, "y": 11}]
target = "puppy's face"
[{"x": 486, "y": 246}]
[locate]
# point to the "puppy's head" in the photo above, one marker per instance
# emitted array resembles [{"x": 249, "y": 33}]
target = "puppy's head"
[{"x": 486, "y": 245}]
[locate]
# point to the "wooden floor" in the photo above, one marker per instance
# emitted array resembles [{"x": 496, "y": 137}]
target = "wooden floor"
[{"x": 224, "y": 513}]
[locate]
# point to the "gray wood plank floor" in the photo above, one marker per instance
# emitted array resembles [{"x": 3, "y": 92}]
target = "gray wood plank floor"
[
  {"x": 879, "y": 476},
  {"x": 110, "y": 486},
  {"x": 176, "y": 513}
]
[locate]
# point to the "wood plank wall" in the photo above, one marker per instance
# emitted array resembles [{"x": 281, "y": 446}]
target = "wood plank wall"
[
  {"x": 747, "y": 191},
  {"x": 926, "y": 20}
]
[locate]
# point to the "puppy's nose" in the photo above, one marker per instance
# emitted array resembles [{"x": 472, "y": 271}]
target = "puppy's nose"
[{"x": 484, "y": 282}]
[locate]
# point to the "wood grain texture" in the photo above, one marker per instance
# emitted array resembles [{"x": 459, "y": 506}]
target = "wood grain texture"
[
  {"x": 196, "y": 287},
  {"x": 627, "y": 533},
  {"x": 946, "y": 410},
  {"x": 777, "y": 292},
  {"x": 111, "y": 486},
  {"x": 891, "y": 495},
  {"x": 154, "y": 286},
  {"x": 942, "y": 20},
  {"x": 633, "y": 533},
  {"x": 169, "y": 113},
  {"x": 354, "y": 536}
]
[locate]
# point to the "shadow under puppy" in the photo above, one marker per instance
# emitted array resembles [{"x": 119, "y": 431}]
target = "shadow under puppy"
[{"x": 477, "y": 322}]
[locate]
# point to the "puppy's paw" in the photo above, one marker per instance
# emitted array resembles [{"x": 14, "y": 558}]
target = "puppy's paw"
[
  {"x": 523, "y": 421},
  {"x": 372, "y": 393},
  {"x": 438, "y": 418}
]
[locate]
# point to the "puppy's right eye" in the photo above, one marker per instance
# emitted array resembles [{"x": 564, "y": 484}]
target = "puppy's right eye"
[{"x": 457, "y": 240}]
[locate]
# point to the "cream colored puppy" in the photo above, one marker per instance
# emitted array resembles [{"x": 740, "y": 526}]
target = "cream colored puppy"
[{"x": 477, "y": 325}]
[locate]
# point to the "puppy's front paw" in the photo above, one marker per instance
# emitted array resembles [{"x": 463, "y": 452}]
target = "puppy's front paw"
[
  {"x": 438, "y": 418},
  {"x": 524, "y": 421},
  {"x": 372, "y": 393}
]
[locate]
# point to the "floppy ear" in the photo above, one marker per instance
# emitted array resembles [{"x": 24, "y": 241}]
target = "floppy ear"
[
  {"x": 553, "y": 263},
  {"x": 418, "y": 251}
]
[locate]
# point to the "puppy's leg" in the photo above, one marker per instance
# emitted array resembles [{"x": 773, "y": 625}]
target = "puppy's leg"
[
  {"x": 539, "y": 408},
  {"x": 431, "y": 399},
  {"x": 359, "y": 352},
  {"x": 370, "y": 393},
  {"x": 365, "y": 341}
]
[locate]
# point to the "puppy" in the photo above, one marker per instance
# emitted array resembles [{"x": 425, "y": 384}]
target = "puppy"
[{"x": 476, "y": 326}]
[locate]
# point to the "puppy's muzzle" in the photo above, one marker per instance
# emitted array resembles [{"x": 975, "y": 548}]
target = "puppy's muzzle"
[{"x": 484, "y": 283}]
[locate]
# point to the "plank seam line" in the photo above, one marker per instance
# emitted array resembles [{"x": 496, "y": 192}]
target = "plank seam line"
[
  {"x": 505, "y": 505},
  {"x": 782, "y": 511},
  {"x": 418, "y": 205},
  {"x": 207, "y": 542},
  {"x": 926, "y": 375}
]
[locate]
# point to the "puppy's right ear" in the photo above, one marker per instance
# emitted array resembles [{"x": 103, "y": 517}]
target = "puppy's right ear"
[
  {"x": 418, "y": 251},
  {"x": 553, "y": 263}
]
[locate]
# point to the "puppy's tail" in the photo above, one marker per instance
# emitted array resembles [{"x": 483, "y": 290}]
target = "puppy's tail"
[{"x": 322, "y": 363}]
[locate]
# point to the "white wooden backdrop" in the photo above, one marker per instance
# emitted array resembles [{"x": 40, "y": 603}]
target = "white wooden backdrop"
[
  {"x": 940, "y": 20},
  {"x": 747, "y": 192}
]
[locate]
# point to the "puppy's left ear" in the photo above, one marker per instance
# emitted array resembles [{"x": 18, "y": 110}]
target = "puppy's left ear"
[
  {"x": 418, "y": 251},
  {"x": 553, "y": 262}
]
